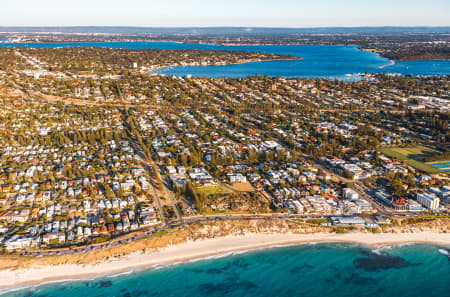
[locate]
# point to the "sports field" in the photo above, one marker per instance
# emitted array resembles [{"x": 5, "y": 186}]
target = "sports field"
[{"x": 414, "y": 156}]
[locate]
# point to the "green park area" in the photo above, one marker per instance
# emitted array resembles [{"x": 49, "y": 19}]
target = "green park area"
[{"x": 414, "y": 156}]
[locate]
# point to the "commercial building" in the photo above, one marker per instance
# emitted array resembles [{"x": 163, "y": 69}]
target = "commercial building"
[
  {"x": 348, "y": 221},
  {"x": 428, "y": 200},
  {"x": 397, "y": 204}
]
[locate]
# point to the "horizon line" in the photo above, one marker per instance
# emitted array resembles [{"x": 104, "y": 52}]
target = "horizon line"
[{"x": 236, "y": 27}]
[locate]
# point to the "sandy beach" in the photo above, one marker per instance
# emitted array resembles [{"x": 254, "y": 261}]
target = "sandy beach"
[{"x": 201, "y": 249}]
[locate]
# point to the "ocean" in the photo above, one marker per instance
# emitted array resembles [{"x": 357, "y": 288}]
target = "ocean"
[
  {"x": 322, "y": 269},
  {"x": 326, "y": 61}
]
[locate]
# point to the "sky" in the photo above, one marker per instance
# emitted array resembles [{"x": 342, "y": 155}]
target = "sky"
[{"x": 206, "y": 13}]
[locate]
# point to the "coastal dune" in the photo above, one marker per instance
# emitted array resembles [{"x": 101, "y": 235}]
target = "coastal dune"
[{"x": 36, "y": 274}]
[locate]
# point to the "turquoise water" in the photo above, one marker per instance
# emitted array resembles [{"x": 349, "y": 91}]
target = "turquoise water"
[
  {"x": 326, "y": 269},
  {"x": 327, "y": 61}
]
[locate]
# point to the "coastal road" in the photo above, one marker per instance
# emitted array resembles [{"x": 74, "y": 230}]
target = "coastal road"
[{"x": 170, "y": 227}]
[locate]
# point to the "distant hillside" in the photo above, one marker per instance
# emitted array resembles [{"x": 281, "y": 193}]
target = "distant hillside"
[{"x": 227, "y": 30}]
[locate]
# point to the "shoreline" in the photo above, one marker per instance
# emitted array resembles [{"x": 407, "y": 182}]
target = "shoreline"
[
  {"x": 380, "y": 53},
  {"x": 227, "y": 64},
  {"x": 11, "y": 280}
]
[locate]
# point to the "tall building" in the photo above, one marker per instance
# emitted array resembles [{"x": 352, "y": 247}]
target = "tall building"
[{"x": 428, "y": 200}]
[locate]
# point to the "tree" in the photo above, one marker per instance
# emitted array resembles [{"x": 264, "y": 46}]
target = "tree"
[
  {"x": 120, "y": 192},
  {"x": 109, "y": 192},
  {"x": 397, "y": 187}
]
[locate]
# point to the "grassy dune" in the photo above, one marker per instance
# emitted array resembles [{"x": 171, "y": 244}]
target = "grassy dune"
[{"x": 207, "y": 230}]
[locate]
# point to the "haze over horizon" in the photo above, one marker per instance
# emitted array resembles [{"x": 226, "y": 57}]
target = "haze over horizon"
[{"x": 232, "y": 13}]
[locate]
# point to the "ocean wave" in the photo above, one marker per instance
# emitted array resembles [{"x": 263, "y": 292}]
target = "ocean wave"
[
  {"x": 444, "y": 252},
  {"x": 396, "y": 245},
  {"x": 385, "y": 248},
  {"x": 221, "y": 255},
  {"x": 66, "y": 280},
  {"x": 121, "y": 273},
  {"x": 378, "y": 251},
  {"x": 382, "y": 250},
  {"x": 229, "y": 254}
]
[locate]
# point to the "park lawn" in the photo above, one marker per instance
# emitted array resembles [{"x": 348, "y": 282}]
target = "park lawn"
[
  {"x": 414, "y": 156},
  {"x": 417, "y": 152},
  {"x": 212, "y": 190}
]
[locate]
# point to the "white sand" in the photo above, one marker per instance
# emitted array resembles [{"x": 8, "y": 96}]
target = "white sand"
[{"x": 201, "y": 249}]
